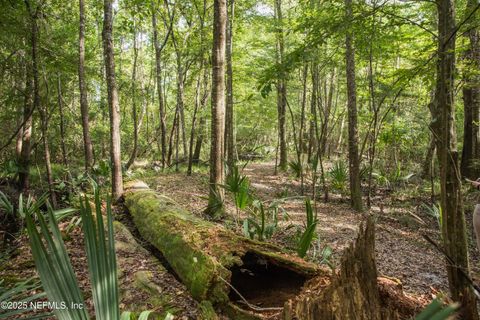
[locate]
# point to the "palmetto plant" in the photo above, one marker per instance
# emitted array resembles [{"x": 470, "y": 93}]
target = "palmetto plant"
[
  {"x": 55, "y": 269},
  {"x": 237, "y": 184},
  {"x": 19, "y": 294},
  {"x": 339, "y": 176},
  {"x": 263, "y": 221}
]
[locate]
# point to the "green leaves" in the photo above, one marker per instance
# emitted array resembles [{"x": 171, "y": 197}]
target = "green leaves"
[
  {"x": 54, "y": 267},
  {"x": 437, "y": 311},
  {"x": 339, "y": 176},
  {"x": 19, "y": 294},
  {"x": 306, "y": 237},
  {"x": 102, "y": 265}
]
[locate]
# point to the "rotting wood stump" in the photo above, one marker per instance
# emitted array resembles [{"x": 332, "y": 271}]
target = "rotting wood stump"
[
  {"x": 218, "y": 266},
  {"x": 355, "y": 292}
]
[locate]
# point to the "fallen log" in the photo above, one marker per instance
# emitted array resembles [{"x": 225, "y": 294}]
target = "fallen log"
[
  {"x": 252, "y": 280},
  {"x": 214, "y": 263}
]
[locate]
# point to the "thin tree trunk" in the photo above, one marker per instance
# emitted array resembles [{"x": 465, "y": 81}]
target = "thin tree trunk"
[
  {"x": 453, "y": 219},
  {"x": 158, "y": 72},
  {"x": 194, "y": 121},
  {"x": 353, "y": 159},
  {"x": 87, "y": 142},
  {"x": 19, "y": 139},
  {"x": 134, "y": 101},
  {"x": 427, "y": 163},
  {"x": 34, "y": 14},
  {"x": 198, "y": 143},
  {"x": 312, "y": 141},
  {"x": 218, "y": 108},
  {"x": 302, "y": 125},
  {"x": 471, "y": 100},
  {"x": 44, "y": 117},
  {"x": 24, "y": 159},
  {"x": 62, "y": 122},
  {"x": 229, "y": 138},
  {"x": 113, "y": 106},
  {"x": 281, "y": 88}
]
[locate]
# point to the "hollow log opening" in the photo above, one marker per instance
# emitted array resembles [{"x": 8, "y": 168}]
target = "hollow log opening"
[{"x": 263, "y": 283}]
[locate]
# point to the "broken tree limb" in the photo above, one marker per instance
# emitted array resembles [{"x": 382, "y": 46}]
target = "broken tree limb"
[{"x": 204, "y": 254}]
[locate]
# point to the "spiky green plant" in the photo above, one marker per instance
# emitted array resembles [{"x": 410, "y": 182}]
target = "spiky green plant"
[
  {"x": 55, "y": 269},
  {"x": 263, "y": 221},
  {"x": 238, "y": 185},
  {"x": 19, "y": 294},
  {"x": 338, "y": 175},
  {"x": 308, "y": 234},
  {"x": 296, "y": 167},
  {"x": 437, "y": 311}
]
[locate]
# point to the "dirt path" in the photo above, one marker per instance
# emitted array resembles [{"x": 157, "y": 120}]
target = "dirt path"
[{"x": 402, "y": 253}]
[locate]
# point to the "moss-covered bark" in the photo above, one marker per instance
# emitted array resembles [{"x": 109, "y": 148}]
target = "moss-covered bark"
[{"x": 200, "y": 252}]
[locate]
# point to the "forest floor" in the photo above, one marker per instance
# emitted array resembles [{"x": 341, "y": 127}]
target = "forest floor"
[{"x": 401, "y": 251}]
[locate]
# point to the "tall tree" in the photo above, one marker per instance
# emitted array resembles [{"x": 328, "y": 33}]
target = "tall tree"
[
  {"x": 443, "y": 127},
  {"x": 229, "y": 130},
  {"x": 471, "y": 98},
  {"x": 87, "y": 141},
  {"x": 353, "y": 158},
  {"x": 113, "y": 105},
  {"x": 24, "y": 157},
  {"x": 218, "y": 107},
  {"x": 281, "y": 86},
  {"x": 133, "y": 155},
  {"x": 158, "y": 72},
  {"x": 62, "y": 121}
]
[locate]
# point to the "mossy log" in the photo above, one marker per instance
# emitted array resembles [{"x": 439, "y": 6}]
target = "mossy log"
[{"x": 210, "y": 259}]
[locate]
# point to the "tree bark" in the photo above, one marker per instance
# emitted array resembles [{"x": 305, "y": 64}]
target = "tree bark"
[
  {"x": 134, "y": 102},
  {"x": 113, "y": 106},
  {"x": 87, "y": 142},
  {"x": 158, "y": 72},
  {"x": 353, "y": 159},
  {"x": 24, "y": 158},
  {"x": 62, "y": 121},
  {"x": 470, "y": 166},
  {"x": 218, "y": 108},
  {"x": 443, "y": 127},
  {"x": 229, "y": 131},
  {"x": 281, "y": 87}
]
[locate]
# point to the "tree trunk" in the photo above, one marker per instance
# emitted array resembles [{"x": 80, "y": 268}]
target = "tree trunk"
[
  {"x": 62, "y": 122},
  {"x": 470, "y": 166},
  {"x": 19, "y": 139},
  {"x": 113, "y": 106},
  {"x": 134, "y": 102},
  {"x": 198, "y": 143},
  {"x": 353, "y": 159},
  {"x": 87, "y": 142},
  {"x": 312, "y": 141},
  {"x": 427, "y": 163},
  {"x": 24, "y": 159},
  {"x": 281, "y": 87},
  {"x": 443, "y": 126},
  {"x": 158, "y": 72},
  {"x": 218, "y": 108},
  {"x": 229, "y": 137}
]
